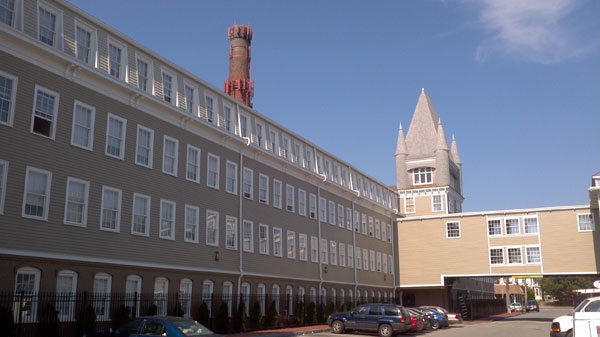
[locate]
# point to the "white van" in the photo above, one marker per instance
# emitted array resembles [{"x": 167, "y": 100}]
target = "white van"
[{"x": 584, "y": 321}]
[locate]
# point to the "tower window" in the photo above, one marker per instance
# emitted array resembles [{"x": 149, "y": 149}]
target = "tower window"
[{"x": 422, "y": 175}]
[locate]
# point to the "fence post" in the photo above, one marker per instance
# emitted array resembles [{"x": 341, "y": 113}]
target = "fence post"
[
  {"x": 177, "y": 304},
  {"x": 135, "y": 304},
  {"x": 20, "y": 313}
]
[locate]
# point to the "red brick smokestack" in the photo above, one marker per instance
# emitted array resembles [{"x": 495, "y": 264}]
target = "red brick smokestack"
[{"x": 239, "y": 85}]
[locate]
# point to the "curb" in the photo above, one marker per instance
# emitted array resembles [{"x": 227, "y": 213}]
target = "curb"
[{"x": 299, "y": 333}]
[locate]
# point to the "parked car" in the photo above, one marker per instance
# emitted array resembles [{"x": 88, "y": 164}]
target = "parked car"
[
  {"x": 157, "y": 326},
  {"x": 444, "y": 322},
  {"x": 417, "y": 320},
  {"x": 454, "y": 318},
  {"x": 387, "y": 319},
  {"x": 532, "y": 305},
  {"x": 440, "y": 320},
  {"x": 428, "y": 319},
  {"x": 516, "y": 306}
]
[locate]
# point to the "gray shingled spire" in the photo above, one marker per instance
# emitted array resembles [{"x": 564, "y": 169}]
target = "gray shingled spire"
[
  {"x": 454, "y": 152},
  {"x": 401, "y": 144},
  {"x": 401, "y": 153},
  {"x": 421, "y": 138},
  {"x": 442, "y": 158},
  {"x": 442, "y": 143}
]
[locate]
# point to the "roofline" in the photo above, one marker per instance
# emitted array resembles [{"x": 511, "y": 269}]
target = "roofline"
[
  {"x": 218, "y": 91},
  {"x": 499, "y": 212}
]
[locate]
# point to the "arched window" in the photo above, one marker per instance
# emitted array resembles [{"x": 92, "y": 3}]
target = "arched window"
[
  {"x": 351, "y": 298},
  {"x": 422, "y": 175},
  {"x": 27, "y": 286},
  {"x": 385, "y": 300},
  {"x": 366, "y": 296},
  {"x": 276, "y": 292},
  {"x": 342, "y": 295},
  {"x": 358, "y": 296},
  {"x": 185, "y": 297},
  {"x": 261, "y": 292},
  {"x": 66, "y": 287},
  {"x": 289, "y": 299},
  {"x": 207, "y": 293},
  {"x": 323, "y": 295},
  {"x": 161, "y": 293},
  {"x": 101, "y": 302},
  {"x": 301, "y": 294},
  {"x": 372, "y": 296},
  {"x": 228, "y": 295},
  {"x": 245, "y": 292},
  {"x": 378, "y": 296},
  {"x": 313, "y": 295},
  {"x": 333, "y": 297},
  {"x": 133, "y": 288}
]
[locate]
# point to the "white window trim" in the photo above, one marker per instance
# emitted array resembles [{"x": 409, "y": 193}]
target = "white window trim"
[
  {"x": 123, "y": 72},
  {"x": 414, "y": 205},
  {"x": 290, "y": 208},
  {"x": 248, "y": 125},
  {"x": 501, "y": 227},
  {"x": 312, "y": 196},
  {"x": 251, "y": 194},
  {"x": 287, "y": 245},
  {"x": 93, "y": 121},
  {"x": 275, "y": 147},
  {"x": 305, "y": 237},
  {"x": 459, "y": 231},
  {"x": 280, "y": 194},
  {"x": 216, "y": 243},
  {"x": 189, "y": 84},
  {"x": 199, "y": 161},
  {"x": 233, "y": 117},
  {"x": 3, "y": 185},
  {"x": 124, "y": 135},
  {"x": 579, "y": 226},
  {"x": 85, "y": 202},
  {"x": 342, "y": 254},
  {"x": 322, "y": 210},
  {"x": 147, "y": 226},
  {"x": 218, "y": 170},
  {"x": 537, "y": 220},
  {"x": 251, "y": 248},
  {"x": 172, "y": 236},
  {"x": 301, "y": 210},
  {"x": 508, "y": 255},
  {"x": 118, "y": 224},
  {"x": 527, "y": 256},
  {"x": 215, "y": 117},
  {"x": 263, "y": 133},
  {"x": 44, "y": 217},
  {"x": 93, "y": 60},
  {"x": 137, "y": 144},
  {"x": 266, "y": 252},
  {"x": 314, "y": 258},
  {"x": 518, "y": 226},
  {"x": 280, "y": 242},
  {"x": 235, "y": 181},
  {"x": 234, "y": 230},
  {"x": 288, "y": 148},
  {"x": 13, "y": 94},
  {"x": 174, "y": 86},
  {"x": 59, "y": 30},
  {"x": 105, "y": 315},
  {"x": 176, "y": 164},
  {"x": 441, "y": 203},
  {"x": 69, "y": 315},
  {"x": 331, "y": 212},
  {"x": 150, "y": 89},
  {"x": 55, "y": 112},
  {"x": 18, "y": 18},
  {"x": 197, "y": 232},
  {"x": 266, "y": 202},
  {"x": 340, "y": 215}
]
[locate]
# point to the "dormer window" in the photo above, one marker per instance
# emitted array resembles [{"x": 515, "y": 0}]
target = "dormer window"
[{"x": 422, "y": 175}]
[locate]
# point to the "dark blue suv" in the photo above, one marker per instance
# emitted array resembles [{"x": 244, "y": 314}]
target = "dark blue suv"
[{"x": 387, "y": 319}]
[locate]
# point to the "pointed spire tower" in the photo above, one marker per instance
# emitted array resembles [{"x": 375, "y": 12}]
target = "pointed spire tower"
[
  {"x": 442, "y": 157},
  {"x": 454, "y": 152},
  {"x": 401, "y": 153}
]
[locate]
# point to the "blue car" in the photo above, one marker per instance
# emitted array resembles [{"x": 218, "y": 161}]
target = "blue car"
[
  {"x": 157, "y": 326},
  {"x": 439, "y": 320},
  {"x": 386, "y": 319}
]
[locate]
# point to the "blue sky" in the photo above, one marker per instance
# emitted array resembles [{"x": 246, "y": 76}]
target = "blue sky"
[{"x": 517, "y": 82}]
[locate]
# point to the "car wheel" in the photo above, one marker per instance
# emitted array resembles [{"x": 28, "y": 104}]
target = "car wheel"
[
  {"x": 435, "y": 325},
  {"x": 337, "y": 327},
  {"x": 385, "y": 330}
]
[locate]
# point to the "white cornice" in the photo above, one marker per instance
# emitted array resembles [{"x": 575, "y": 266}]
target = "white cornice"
[{"x": 501, "y": 212}]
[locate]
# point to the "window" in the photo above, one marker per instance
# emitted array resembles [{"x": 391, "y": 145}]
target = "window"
[
  {"x": 312, "y": 205},
  {"x": 210, "y": 104},
  {"x": 161, "y": 291},
  {"x": 189, "y": 93},
  {"x": 248, "y": 236},
  {"x": 144, "y": 147},
  {"x": 227, "y": 117},
  {"x": 324, "y": 253},
  {"x": 169, "y": 86},
  {"x": 389, "y": 233},
  {"x": 27, "y": 286},
  {"x": 170, "y": 155},
  {"x": 453, "y": 229},
  {"x": 82, "y": 132},
  {"x": 530, "y": 225},
  {"x": 115, "y": 136},
  {"x": 167, "y": 219},
  {"x": 314, "y": 249},
  {"x": 110, "y": 217},
  {"x": 276, "y": 193},
  {"x": 494, "y": 227},
  {"x": 533, "y": 255},
  {"x": 45, "y": 112},
  {"x": 364, "y": 224},
  {"x": 231, "y": 177},
  {"x": 37, "y": 194},
  {"x": 212, "y": 179},
  {"x": 101, "y": 299},
  {"x": 291, "y": 245},
  {"x": 8, "y": 11},
  {"x": 263, "y": 239},
  {"x": 383, "y": 232},
  {"x": 66, "y": 286},
  {"x": 342, "y": 248},
  {"x": 49, "y": 25},
  {"x": 372, "y": 259},
  {"x": 340, "y": 215},
  {"x": 192, "y": 216},
  {"x": 585, "y": 222},
  {"x": 384, "y": 258},
  {"x": 260, "y": 294},
  {"x": 512, "y": 226},
  {"x": 145, "y": 74},
  {"x": 244, "y": 126},
  {"x": 231, "y": 232},
  {"x": 85, "y": 43},
  {"x": 276, "y": 297},
  {"x": 248, "y": 183},
  {"x": 422, "y": 175},
  {"x": 409, "y": 205},
  {"x": 355, "y": 219},
  {"x": 228, "y": 296},
  {"x": 331, "y": 213},
  {"x": 263, "y": 189},
  {"x": 212, "y": 228},
  {"x": 348, "y": 218},
  {"x": 377, "y": 229},
  {"x": 289, "y": 198},
  {"x": 76, "y": 202},
  {"x": 436, "y": 203},
  {"x": 309, "y": 160},
  {"x": 133, "y": 289},
  {"x": 514, "y": 255},
  {"x": 140, "y": 222},
  {"x": 274, "y": 138},
  {"x": 302, "y": 202},
  {"x": 350, "y": 256},
  {"x": 378, "y": 262},
  {"x": 207, "y": 293},
  {"x": 185, "y": 297},
  {"x": 8, "y": 94},
  {"x": 365, "y": 259},
  {"x": 3, "y": 174},
  {"x": 117, "y": 60},
  {"x": 322, "y": 210},
  {"x": 245, "y": 294},
  {"x": 277, "y": 241},
  {"x": 192, "y": 169},
  {"x": 391, "y": 263},
  {"x": 358, "y": 258},
  {"x": 371, "y": 227},
  {"x": 302, "y": 247},
  {"x": 286, "y": 150}
]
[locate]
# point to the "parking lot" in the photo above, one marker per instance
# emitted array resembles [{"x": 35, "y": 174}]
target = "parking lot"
[{"x": 532, "y": 324}]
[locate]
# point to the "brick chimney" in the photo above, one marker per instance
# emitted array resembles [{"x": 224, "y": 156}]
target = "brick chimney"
[{"x": 239, "y": 85}]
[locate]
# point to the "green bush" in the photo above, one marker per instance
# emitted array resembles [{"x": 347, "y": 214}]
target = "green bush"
[
  {"x": 49, "y": 324},
  {"x": 344, "y": 308},
  {"x": 120, "y": 316},
  {"x": 6, "y": 322},
  {"x": 272, "y": 316},
  {"x": 203, "y": 314},
  {"x": 301, "y": 313},
  {"x": 324, "y": 314},
  {"x": 239, "y": 323},
  {"x": 256, "y": 316},
  {"x": 152, "y": 310},
  {"x": 87, "y": 320},
  {"x": 311, "y": 313},
  {"x": 222, "y": 324}
]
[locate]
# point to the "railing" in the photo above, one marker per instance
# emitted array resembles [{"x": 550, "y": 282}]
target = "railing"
[{"x": 50, "y": 314}]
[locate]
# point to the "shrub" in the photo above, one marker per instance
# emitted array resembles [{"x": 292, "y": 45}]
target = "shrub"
[
  {"x": 311, "y": 313},
  {"x": 344, "y": 308},
  {"x": 239, "y": 323},
  {"x": 324, "y": 313},
  {"x": 48, "y": 326},
  {"x": 6, "y": 322},
  {"x": 272, "y": 316},
  {"x": 87, "y": 320},
  {"x": 204, "y": 314},
  {"x": 120, "y": 316},
  {"x": 222, "y": 324},
  {"x": 301, "y": 313},
  {"x": 152, "y": 310},
  {"x": 256, "y": 317}
]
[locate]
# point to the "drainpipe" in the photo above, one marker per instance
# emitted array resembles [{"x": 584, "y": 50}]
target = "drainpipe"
[
  {"x": 319, "y": 243},
  {"x": 354, "y": 236},
  {"x": 240, "y": 191},
  {"x": 392, "y": 221}
]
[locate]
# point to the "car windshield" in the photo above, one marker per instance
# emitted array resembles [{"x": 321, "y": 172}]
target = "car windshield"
[
  {"x": 531, "y": 302},
  {"x": 191, "y": 328},
  {"x": 581, "y": 305}
]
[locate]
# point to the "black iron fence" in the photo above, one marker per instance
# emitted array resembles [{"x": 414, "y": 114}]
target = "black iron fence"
[{"x": 51, "y": 314}]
